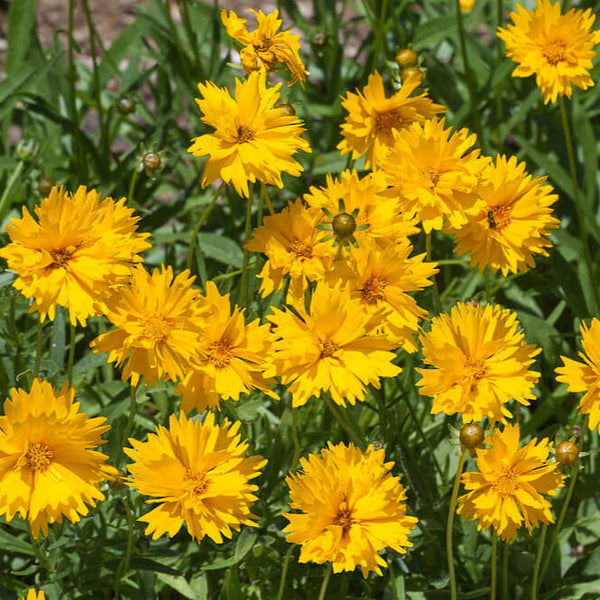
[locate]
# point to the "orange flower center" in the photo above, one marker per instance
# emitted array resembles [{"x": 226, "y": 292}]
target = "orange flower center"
[
  {"x": 388, "y": 120},
  {"x": 507, "y": 482},
  {"x": 554, "y": 51},
  {"x": 219, "y": 353},
  {"x": 263, "y": 44},
  {"x": 344, "y": 518},
  {"x": 328, "y": 348},
  {"x": 157, "y": 328},
  {"x": 195, "y": 482},
  {"x": 300, "y": 249},
  {"x": 475, "y": 370},
  {"x": 37, "y": 457},
  {"x": 61, "y": 257},
  {"x": 372, "y": 291},
  {"x": 433, "y": 174},
  {"x": 498, "y": 217},
  {"x": 244, "y": 134}
]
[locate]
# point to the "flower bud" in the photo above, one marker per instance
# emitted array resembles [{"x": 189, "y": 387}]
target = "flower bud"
[
  {"x": 126, "y": 105},
  {"x": 151, "y": 161},
  {"x": 44, "y": 186},
  {"x": 288, "y": 109},
  {"x": 566, "y": 453},
  {"x": 412, "y": 73},
  {"x": 344, "y": 225},
  {"x": 26, "y": 149},
  {"x": 471, "y": 435},
  {"x": 319, "y": 40},
  {"x": 407, "y": 57}
]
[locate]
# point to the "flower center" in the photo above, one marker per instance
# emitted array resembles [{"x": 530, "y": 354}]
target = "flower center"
[
  {"x": 300, "y": 249},
  {"x": 554, "y": 51},
  {"x": 498, "y": 217},
  {"x": 61, "y": 257},
  {"x": 372, "y": 291},
  {"x": 244, "y": 134},
  {"x": 475, "y": 370},
  {"x": 219, "y": 353},
  {"x": 507, "y": 482},
  {"x": 344, "y": 518},
  {"x": 263, "y": 44},
  {"x": 388, "y": 120},
  {"x": 37, "y": 457},
  {"x": 157, "y": 328},
  {"x": 433, "y": 174},
  {"x": 195, "y": 482},
  {"x": 328, "y": 348}
]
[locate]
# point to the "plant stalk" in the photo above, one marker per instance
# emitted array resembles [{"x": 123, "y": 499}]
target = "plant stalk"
[{"x": 450, "y": 525}]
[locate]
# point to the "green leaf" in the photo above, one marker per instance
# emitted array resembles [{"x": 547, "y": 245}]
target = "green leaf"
[
  {"x": 585, "y": 135},
  {"x": 179, "y": 584},
  {"x": 10, "y": 543},
  {"x": 434, "y": 32},
  {"x": 21, "y": 22},
  {"x": 244, "y": 543},
  {"x": 221, "y": 248},
  {"x": 58, "y": 346},
  {"x": 232, "y": 590}
]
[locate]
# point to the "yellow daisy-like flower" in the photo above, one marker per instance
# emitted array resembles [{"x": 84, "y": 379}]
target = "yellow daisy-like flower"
[
  {"x": 372, "y": 118},
  {"x": 48, "y": 469},
  {"x": 480, "y": 360},
  {"x": 254, "y": 139},
  {"x": 558, "y": 49},
  {"x": 585, "y": 376},
  {"x": 511, "y": 223},
  {"x": 377, "y": 212},
  {"x": 507, "y": 490},
  {"x": 335, "y": 348},
  {"x": 33, "y": 595},
  {"x": 79, "y": 248},
  {"x": 266, "y": 45},
  {"x": 230, "y": 359},
  {"x": 198, "y": 474},
  {"x": 292, "y": 243},
  {"x": 383, "y": 278},
  {"x": 434, "y": 172},
  {"x": 351, "y": 506},
  {"x": 159, "y": 320}
]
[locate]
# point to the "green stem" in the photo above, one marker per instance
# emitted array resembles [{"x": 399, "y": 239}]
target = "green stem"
[
  {"x": 505, "y": 550},
  {"x": 190, "y": 255},
  {"x": 578, "y": 207},
  {"x": 436, "y": 294},
  {"x": 191, "y": 34},
  {"x": 355, "y": 438},
  {"x": 297, "y": 450},
  {"x": 131, "y": 417},
  {"x": 244, "y": 279},
  {"x": 493, "y": 560},
  {"x": 498, "y": 88},
  {"x": 561, "y": 518},
  {"x": 38, "y": 349},
  {"x": 325, "y": 582},
  {"x": 450, "y": 525},
  {"x": 267, "y": 199},
  {"x": 4, "y": 200},
  {"x": 71, "y": 357},
  {"x": 284, "y": 570},
  {"x": 538, "y": 561},
  {"x": 132, "y": 185},
  {"x": 488, "y": 291},
  {"x": 124, "y": 564}
]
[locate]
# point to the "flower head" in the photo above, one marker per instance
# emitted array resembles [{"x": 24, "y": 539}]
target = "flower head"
[
  {"x": 558, "y": 49},
  {"x": 480, "y": 361},
  {"x": 434, "y": 172},
  {"x": 78, "y": 249},
  {"x": 48, "y": 468},
  {"x": 230, "y": 358},
  {"x": 585, "y": 376},
  {"x": 266, "y": 45},
  {"x": 33, "y": 595},
  {"x": 507, "y": 490},
  {"x": 254, "y": 140},
  {"x": 511, "y": 223},
  {"x": 335, "y": 348},
  {"x": 372, "y": 118},
  {"x": 158, "y": 321},
  {"x": 351, "y": 506},
  {"x": 198, "y": 474}
]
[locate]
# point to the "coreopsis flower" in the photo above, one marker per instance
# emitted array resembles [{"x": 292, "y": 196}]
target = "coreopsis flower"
[
  {"x": 48, "y": 468},
  {"x": 378, "y": 214},
  {"x": 558, "y": 49},
  {"x": 508, "y": 489},
  {"x": 351, "y": 507},
  {"x": 230, "y": 358},
  {"x": 372, "y": 118},
  {"x": 266, "y": 45},
  {"x": 434, "y": 172},
  {"x": 383, "y": 278},
  {"x": 480, "y": 362},
  {"x": 158, "y": 320},
  {"x": 78, "y": 249},
  {"x": 33, "y": 595},
  {"x": 512, "y": 221},
  {"x": 466, "y": 5},
  {"x": 293, "y": 246},
  {"x": 585, "y": 376},
  {"x": 332, "y": 348},
  {"x": 198, "y": 474},
  {"x": 254, "y": 139}
]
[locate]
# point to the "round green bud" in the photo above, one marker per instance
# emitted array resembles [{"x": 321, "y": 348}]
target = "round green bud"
[
  {"x": 566, "y": 453},
  {"x": 343, "y": 225},
  {"x": 471, "y": 435}
]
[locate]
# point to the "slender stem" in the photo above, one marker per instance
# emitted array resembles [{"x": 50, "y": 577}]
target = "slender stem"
[
  {"x": 538, "y": 561},
  {"x": 505, "y": 551},
  {"x": 38, "y": 349},
  {"x": 242, "y": 297},
  {"x": 488, "y": 291},
  {"x": 268, "y": 199},
  {"x": 190, "y": 255},
  {"x": 284, "y": 570},
  {"x": 5, "y": 199},
  {"x": 124, "y": 564},
  {"x": 393, "y": 581},
  {"x": 450, "y": 525},
  {"x": 71, "y": 357},
  {"x": 493, "y": 560},
  {"x": 436, "y": 294},
  {"x": 340, "y": 418},
  {"x": 297, "y": 450},
  {"x": 132, "y": 184},
  {"x": 325, "y": 582},
  {"x": 498, "y": 90},
  {"x": 131, "y": 417},
  {"x": 578, "y": 207},
  {"x": 189, "y": 30},
  {"x": 561, "y": 518}
]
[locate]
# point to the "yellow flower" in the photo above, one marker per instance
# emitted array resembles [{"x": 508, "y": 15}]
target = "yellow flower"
[
  {"x": 480, "y": 360},
  {"x": 33, "y": 595},
  {"x": 507, "y": 490},
  {"x": 383, "y": 278},
  {"x": 254, "y": 140},
  {"x": 264, "y": 47},
  {"x": 558, "y": 49},
  {"x": 47, "y": 466},
  {"x": 332, "y": 348},
  {"x": 292, "y": 243},
  {"x": 158, "y": 321},
  {"x": 230, "y": 358},
  {"x": 79, "y": 248},
  {"x": 352, "y": 508},
  {"x": 198, "y": 474},
  {"x": 466, "y": 5},
  {"x": 434, "y": 172},
  {"x": 512, "y": 220},
  {"x": 585, "y": 376},
  {"x": 372, "y": 118}
]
